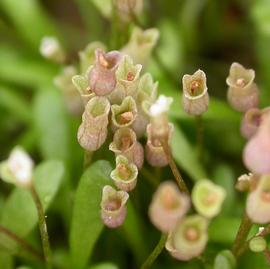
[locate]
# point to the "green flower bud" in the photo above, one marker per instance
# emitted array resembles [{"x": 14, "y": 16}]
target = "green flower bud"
[
  {"x": 125, "y": 143},
  {"x": 127, "y": 75},
  {"x": 18, "y": 168},
  {"x": 207, "y": 198},
  {"x": 125, "y": 174},
  {"x": 168, "y": 206},
  {"x": 225, "y": 260},
  {"x": 195, "y": 95},
  {"x": 92, "y": 132},
  {"x": 125, "y": 114},
  {"x": 258, "y": 201},
  {"x": 147, "y": 88},
  {"x": 113, "y": 207},
  {"x": 141, "y": 44},
  {"x": 87, "y": 56},
  {"x": 50, "y": 48},
  {"x": 188, "y": 239},
  {"x": 243, "y": 93},
  {"x": 257, "y": 244},
  {"x": 71, "y": 96}
]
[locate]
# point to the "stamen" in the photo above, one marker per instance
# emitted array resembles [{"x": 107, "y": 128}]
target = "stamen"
[
  {"x": 113, "y": 205},
  {"x": 123, "y": 172},
  {"x": 126, "y": 117},
  {"x": 191, "y": 234},
  {"x": 125, "y": 143},
  {"x": 240, "y": 82},
  {"x": 130, "y": 76},
  {"x": 103, "y": 61}
]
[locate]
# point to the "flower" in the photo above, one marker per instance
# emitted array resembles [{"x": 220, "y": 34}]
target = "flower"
[
  {"x": 258, "y": 201},
  {"x": 245, "y": 182},
  {"x": 92, "y": 132},
  {"x": 207, "y": 198},
  {"x": 188, "y": 239},
  {"x": 257, "y": 150},
  {"x": 125, "y": 114},
  {"x": 155, "y": 153},
  {"x": 195, "y": 96},
  {"x": 125, "y": 143},
  {"x": 18, "y": 168},
  {"x": 102, "y": 78},
  {"x": 50, "y": 48},
  {"x": 141, "y": 44},
  {"x": 125, "y": 174},
  {"x": 243, "y": 93},
  {"x": 168, "y": 206},
  {"x": 128, "y": 8},
  {"x": 113, "y": 206}
]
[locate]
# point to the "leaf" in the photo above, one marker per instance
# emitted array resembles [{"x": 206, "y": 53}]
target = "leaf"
[
  {"x": 19, "y": 212},
  {"x": 6, "y": 261},
  {"x": 105, "y": 265},
  {"x": 31, "y": 21},
  {"x": 186, "y": 156},
  {"x": 51, "y": 123},
  {"x": 86, "y": 222}
]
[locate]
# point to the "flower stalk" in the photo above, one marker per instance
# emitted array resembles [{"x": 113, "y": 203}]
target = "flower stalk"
[
  {"x": 155, "y": 253},
  {"x": 42, "y": 228}
]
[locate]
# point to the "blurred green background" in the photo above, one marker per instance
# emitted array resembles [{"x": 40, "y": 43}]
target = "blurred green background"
[{"x": 205, "y": 34}]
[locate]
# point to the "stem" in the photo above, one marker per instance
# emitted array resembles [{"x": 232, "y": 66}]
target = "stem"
[
  {"x": 155, "y": 253},
  {"x": 267, "y": 255},
  {"x": 42, "y": 228},
  {"x": 21, "y": 242},
  {"x": 200, "y": 136},
  {"x": 149, "y": 176},
  {"x": 241, "y": 236},
  {"x": 177, "y": 175},
  {"x": 87, "y": 158}
]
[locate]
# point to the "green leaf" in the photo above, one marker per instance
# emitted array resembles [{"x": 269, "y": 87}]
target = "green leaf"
[
  {"x": 29, "y": 19},
  {"x": 6, "y": 261},
  {"x": 186, "y": 156},
  {"x": 50, "y": 121},
  {"x": 19, "y": 212},
  {"x": 86, "y": 222},
  {"x": 105, "y": 265}
]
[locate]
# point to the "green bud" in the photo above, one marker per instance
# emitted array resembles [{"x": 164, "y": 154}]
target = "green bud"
[
  {"x": 125, "y": 174},
  {"x": 257, "y": 244},
  {"x": 125, "y": 114},
  {"x": 207, "y": 198},
  {"x": 87, "y": 56},
  {"x": 147, "y": 88},
  {"x": 225, "y": 260}
]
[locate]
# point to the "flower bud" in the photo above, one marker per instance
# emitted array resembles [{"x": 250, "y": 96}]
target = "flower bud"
[
  {"x": 125, "y": 114},
  {"x": 155, "y": 153},
  {"x": 71, "y": 96},
  {"x": 113, "y": 207},
  {"x": 141, "y": 44},
  {"x": 92, "y": 132},
  {"x": 102, "y": 78},
  {"x": 18, "y": 168},
  {"x": 195, "y": 96},
  {"x": 225, "y": 260},
  {"x": 125, "y": 143},
  {"x": 243, "y": 93},
  {"x": 159, "y": 117},
  {"x": 257, "y": 150},
  {"x": 188, "y": 239},
  {"x": 147, "y": 92},
  {"x": 257, "y": 244},
  {"x": 125, "y": 174},
  {"x": 127, "y": 75},
  {"x": 126, "y": 9},
  {"x": 207, "y": 198},
  {"x": 50, "y": 48},
  {"x": 258, "y": 202},
  {"x": 244, "y": 182},
  {"x": 87, "y": 56},
  {"x": 168, "y": 206}
]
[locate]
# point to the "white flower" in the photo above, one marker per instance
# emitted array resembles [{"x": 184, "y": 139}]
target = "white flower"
[
  {"x": 18, "y": 168},
  {"x": 161, "y": 105}
]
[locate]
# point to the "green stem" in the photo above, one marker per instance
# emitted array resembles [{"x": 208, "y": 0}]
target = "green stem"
[
  {"x": 42, "y": 228},
  {"x": 200, "y": 136},
  {"x": 149, "y": 176},
  {"x": 88, "y": 155},
  {"x": 155, "y": 253},
  {"x": 177, "y": 175},
  {"x": 241, "y": 236},
  {"x": 21, "y": 242},
  {"x": 267, "y": 255}
]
